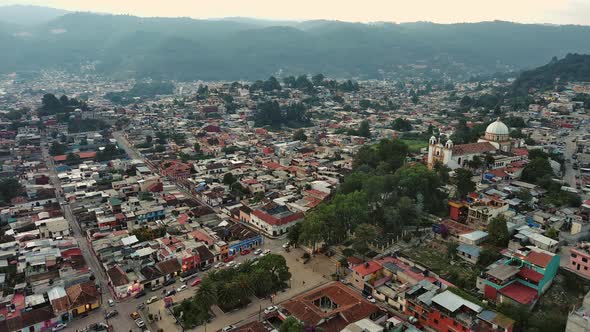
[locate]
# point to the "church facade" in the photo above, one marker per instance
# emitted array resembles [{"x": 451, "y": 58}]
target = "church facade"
[{"x": 496, "y": 139}]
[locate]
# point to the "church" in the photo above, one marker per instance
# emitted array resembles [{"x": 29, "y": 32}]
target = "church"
[{"x": 496, "y": 140}]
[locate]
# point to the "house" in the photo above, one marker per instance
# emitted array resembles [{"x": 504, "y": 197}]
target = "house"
[
  {"x": 274, "y": 219},
  {"x": 580, "y": 259},
  {"x": 83, "y": 298},
  {"x": 447, "y": 311},
  {"x": 118, "y": 281},
  {"x": 332, "y": 308},
  {"x": 520, "y": 277},
  {"x": 175, "y": 169},
  {"x": 468, "y": 252},
  {"x": 577, "y": 321},
  {"x": 364, "y": 273},
  {"x": 169, "y": 268}
]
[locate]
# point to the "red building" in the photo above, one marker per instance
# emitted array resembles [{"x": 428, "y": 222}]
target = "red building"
[
  {"x": 447, "y": 311},
  {"x": 176, "y": 169}
]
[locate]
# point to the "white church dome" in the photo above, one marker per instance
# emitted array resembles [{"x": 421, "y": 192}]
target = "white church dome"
[{"x": 497, "y": 128}]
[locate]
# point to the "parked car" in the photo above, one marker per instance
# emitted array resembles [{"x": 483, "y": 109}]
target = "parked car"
[
  {"x": 141, "y": 306},
  {"x": 266, "y": 252},
  {"x": 231, "y": 264},
  {"x": 59, "y": 327},
  {"x": 228, "y": 328},
  {"x": 228, "y": 259},
  {"x": 169, "y": 282},
  {"x": 245, "y": 252},
  {"x": 152, "y": 299},
  {"x": 257, "y": 252},
  {"x": 140, "y": 294},
  {"x": 140, "y": 323},
  {"x": 286, "y": 245},
  {"x": 270, "y": 309},
  {"x": 171, "y": 292},
  {"x": 206, "y": 267},
  {"x": 156, "y": 287},
  {"x": 134, "y": 315},
  {"x": 196, "y": 282},
  {"x": 111, "y": 302},
  {"x": 110, "y": 314},
  {"x": 181, "y": 288},
  {"x": 219, "y": 265},
  {"x": 371, "y": 299}
]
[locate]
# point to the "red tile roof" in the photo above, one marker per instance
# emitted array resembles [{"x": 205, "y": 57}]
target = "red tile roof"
[
  {"x": 350, "y": 306},
  {"x": 269, "y": 219},
  {"x": 367, "y": 268},
  {"x": 82, "y": 294},
  {"x": 539, "y": 258},
  {"x": 530, "y": 275},
  {"x": 519, "y": 292},
  {"x": 473, "y": 148}
]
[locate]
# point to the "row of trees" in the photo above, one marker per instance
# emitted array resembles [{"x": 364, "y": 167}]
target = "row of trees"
[
  {"x": 270, "y": 114},
  {"x": 232, "y": 288}
]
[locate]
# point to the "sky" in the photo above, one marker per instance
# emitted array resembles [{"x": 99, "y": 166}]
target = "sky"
[{"x": 440, "y": 11}]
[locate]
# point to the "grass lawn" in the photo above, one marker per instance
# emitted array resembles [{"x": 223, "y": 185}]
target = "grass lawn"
[
  {"x": 460, "y": 273},
  {"x": 415, "y": 144}
]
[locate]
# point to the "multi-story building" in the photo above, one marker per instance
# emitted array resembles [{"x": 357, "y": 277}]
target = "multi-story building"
[
  {"x": 520, "y": 277},
  {"x": 580, "y": 259}
]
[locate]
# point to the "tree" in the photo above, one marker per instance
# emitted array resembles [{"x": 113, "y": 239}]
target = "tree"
[
  {"x": 537, "y": 169},
  {"x": 228, "y": 179},
  {"x": 475, "y": 163},
  {"x": 197, "y": 147},
  {"x": 318, "y": 79},
  {"x": 552, "y": 233},
  {"x": 463, "y": 182},
  {"x": 311, "y": 229},
  {"x": 524, "y": 195},
  {"x": 498, "y": 231},
  {"x": 363, "y": 235},
  {"x": 9, "y": 189},
  {"x": 299, "y": 135},
  {"x": 72, "y": 158},
  {"x": 452, "y": 250},
  {"x": 487, "y": 257},
  {"x": 291, "y": 324},
  {"x": 364, "y": 129},
  {"x": 294, "y": 233},
  {"x": 159, "y": 148},
  {"x": 57, "y": 149},
  {"x": 401, "y": 124}
]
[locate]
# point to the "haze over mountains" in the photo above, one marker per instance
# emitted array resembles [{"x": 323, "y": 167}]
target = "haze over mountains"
[{"x": 239, "y": 48}]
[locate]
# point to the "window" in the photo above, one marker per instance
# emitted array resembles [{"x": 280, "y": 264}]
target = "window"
[
  {"x": 584, "y": 259},
  {"x": 436, "y": 321},
  {"x": 574, "y": 255}
]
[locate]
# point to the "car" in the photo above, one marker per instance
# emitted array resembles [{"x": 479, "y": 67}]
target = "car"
[
  {"x": 371, "y": 299},
  {"x": 156, "y": 287},
  {"x": 196, "y": 282},
  {"x": 228, "y": 259},
  {"x": 111, "y": 302},
  {"x": 140, "y": 294},
  {"x": 139, "y": 323},
  {"x": 171, "y": 292},
  {"x": 181, "y": 288},
  {"x": 245, "y": 252},
  {"x": 266, "y": 252},
  {"x": 270, "y": 309},
  {"x": 219, "y": 265},
  {"x": 141, "y": 306},
  {"x": 206, "y": 267},
  {"x": 286, "y": 245},
  {"x": 257, "y": 252},
  {"x": 110, "y": 314},
  {"x": 134, "y": 315},
  {"x": 152, "y": 300},
  {"x": 59, "y": 327},
  {"x": 169, "y": 282},
  {"x": 228, "y": 328},
  {"x": 231, "y": 264}
]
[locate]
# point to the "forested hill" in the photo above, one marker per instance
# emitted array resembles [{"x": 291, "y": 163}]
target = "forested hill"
[
  {"x": 188, "y": 49},
  {"x": 574, "y": 67}
]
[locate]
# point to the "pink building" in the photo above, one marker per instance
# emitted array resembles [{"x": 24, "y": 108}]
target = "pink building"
[{"x": 580, "y": 259}]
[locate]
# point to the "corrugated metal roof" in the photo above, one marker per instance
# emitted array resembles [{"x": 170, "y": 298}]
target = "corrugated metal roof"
[{"x": 452, "y": 302}]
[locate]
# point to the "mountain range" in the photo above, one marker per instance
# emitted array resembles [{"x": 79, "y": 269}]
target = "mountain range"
[{"x": 242, "y": 48}]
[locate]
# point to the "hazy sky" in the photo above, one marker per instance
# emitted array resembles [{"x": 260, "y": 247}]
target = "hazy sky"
[{"x": 443, "y": 11}]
